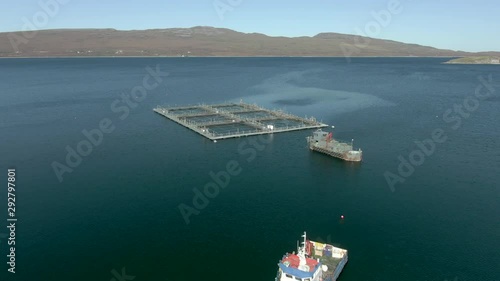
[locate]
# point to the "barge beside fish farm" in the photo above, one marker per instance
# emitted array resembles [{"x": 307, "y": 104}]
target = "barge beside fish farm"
[{"x": 325, "y": 143}]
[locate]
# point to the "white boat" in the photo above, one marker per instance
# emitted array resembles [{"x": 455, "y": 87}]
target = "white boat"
[{"x": 314, "y": 261}]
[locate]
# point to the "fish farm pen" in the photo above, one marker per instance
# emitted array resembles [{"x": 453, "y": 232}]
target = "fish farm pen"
[{"x": 231, "y": 120}]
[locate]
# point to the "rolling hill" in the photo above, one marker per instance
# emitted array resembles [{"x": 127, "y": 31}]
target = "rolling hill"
[{"x": 202, "y": 41}]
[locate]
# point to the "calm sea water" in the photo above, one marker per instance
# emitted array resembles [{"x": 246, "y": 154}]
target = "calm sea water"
[{"x": 118, "y": 209}]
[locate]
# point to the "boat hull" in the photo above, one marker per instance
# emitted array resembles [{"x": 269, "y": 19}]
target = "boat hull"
[{"x": 351, "y": 157}]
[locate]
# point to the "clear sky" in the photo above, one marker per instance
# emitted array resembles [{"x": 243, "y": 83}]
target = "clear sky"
[{"x": 451, "y": 24}]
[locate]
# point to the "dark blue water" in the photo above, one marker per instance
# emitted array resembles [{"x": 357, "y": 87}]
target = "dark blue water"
[{"x": 118, "y": 208}]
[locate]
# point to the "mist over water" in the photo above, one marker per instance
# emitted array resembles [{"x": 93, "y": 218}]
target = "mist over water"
[{"x": 119, "y": 207}]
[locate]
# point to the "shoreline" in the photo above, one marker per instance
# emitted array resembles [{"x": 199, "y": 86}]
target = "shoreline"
[
  {"x": 464, "y": 63},
  {"x": 94, "y": 57}
]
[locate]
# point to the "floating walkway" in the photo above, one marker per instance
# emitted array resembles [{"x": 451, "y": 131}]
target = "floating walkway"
[{"x": 232, "y": 120}]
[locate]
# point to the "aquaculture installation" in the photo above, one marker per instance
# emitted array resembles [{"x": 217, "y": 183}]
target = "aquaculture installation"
[{"x": 231, "y": 120}]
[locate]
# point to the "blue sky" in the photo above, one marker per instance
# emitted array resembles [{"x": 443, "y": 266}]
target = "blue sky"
[{"x": 458, "y": 25}]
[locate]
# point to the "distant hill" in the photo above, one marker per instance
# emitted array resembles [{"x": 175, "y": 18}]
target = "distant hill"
[
  {"x": 476, "y": 60},
  {"x": 202, "y": 41}
]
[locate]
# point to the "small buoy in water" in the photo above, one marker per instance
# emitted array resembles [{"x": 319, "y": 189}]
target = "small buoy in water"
[
  {"x": 341, "y": 216},
  {"x": 215, "y": 140}
]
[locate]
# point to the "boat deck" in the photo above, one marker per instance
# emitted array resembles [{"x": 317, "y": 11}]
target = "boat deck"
[{"x": 333, "y": 257}]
